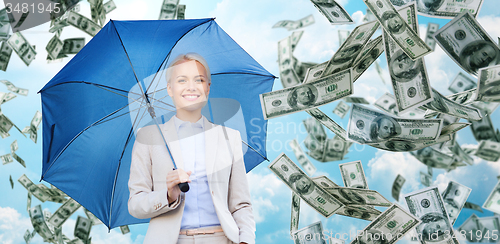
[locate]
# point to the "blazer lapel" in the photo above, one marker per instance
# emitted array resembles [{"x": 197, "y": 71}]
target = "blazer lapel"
[
  {"x": 170, "y": 134},
  {"x": 211, "y": 143}
]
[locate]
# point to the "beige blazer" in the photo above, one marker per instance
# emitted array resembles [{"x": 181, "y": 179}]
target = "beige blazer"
[{"x": 226, "y": 176}]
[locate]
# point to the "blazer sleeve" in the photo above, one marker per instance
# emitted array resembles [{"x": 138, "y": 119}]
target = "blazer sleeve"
[
  {"x": 239, "y": 194},
  {"x": 143, "y": 202}
]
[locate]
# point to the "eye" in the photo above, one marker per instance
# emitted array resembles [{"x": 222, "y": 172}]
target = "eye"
[
  {"x": 181, "y": 80},
  {"x": 400, "y": 66},
  {"x": 199, "y": 80}
]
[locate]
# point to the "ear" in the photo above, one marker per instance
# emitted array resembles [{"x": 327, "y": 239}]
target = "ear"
[
  {"x": 169, "y": 89},
  {"x": 208, "y": 88}
]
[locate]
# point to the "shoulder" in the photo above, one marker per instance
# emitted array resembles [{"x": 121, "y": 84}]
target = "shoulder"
[{"x": 149, "y": 135}]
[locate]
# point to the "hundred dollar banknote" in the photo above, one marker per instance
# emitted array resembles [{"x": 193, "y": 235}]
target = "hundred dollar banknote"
[
  {"x": 489, "y": 84},
  {"x": 470, "y": 227},
  {"x": 315, "y": 129},
  {"x": 431, "y": 29},
  {"x": 11, "y": 87},
  {"x": 301, "y": 157},
  {"x": 390, "y": 226},
  {"x": 466, "y": 42},
  {"x": 310, "y": 234},
  {"x": 448, "y": 8},
  {"x": 39, "y": 223},
  {"x": 433, "y": 158},
  {"x": 369, "y": 126},
  {"x": 473, "y": 206},
  {"x": 355, "y": 196},
  {"x": 398, "y": 29},
  {"x": 108, "y": 6},
  {"x": 21, "y": 46},
  {"x": 83, "y": 23},
  {"x": 371, "y": 51},
  {"x": 483, "y": 130},
  {"x": 333, "y": 11},
  {"x": 425, "y": 179},
  {"x": 454, "y": 197},
  {"x": 492, "y": 203},
  {"x": 33, "y": 189},
  {"x": 397, "y": 145},
  {"x": 442, "y": 104},
  {"x": 294, "y": 221},
  {"x": 54, "y": 47},
  {"x": 397, "y": 185},
  {"x": 353, "y": 175},
  {"x": 488, "y": 150},
  {"x": 295, "y": 38},
  {"x": 168, "y": 9},
  {"x": 306, "y": 96},
  {"x": 409, "y": 77},
  {"x": 82, "y": 228},
  {"x": 323, "y": 181},
  {"x": 334, "y": 149},
  {"x": 464, "y": 98},
  {"x": 341, "y": 109},
  {"x": 343, "y": 34},
  {"x": 387, "y": 103},
  {"x": 350, "y": 49},
  {"x": 314, "y": 72},
  {"x": 124, "y": 229},
  {"x": 320, "y": 200},
  {"x": 461, "y": 83},
  {"x": 460, "y": 153},
  {"x": 428, "y": 206},
  {"x": 293, "y": 25},
  {"x": 359, "y": 212},
  {"x": 352, "y": 99},
  {"x": 286, "y": 62},
  {"x": 73, "y": 45},
  {"x": 5, "y": 53},
  {"x": 181, "y": 11},
  {"x": 63, "y": 213}
]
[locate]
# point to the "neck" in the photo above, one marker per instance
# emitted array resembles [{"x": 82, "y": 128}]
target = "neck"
[{"x": 191, "y": 116}]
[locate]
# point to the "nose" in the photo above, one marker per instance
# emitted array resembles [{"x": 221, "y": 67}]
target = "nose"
[{"x": 191, "y": 85}]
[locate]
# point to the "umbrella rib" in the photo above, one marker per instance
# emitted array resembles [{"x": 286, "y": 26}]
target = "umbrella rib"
[
  {"x": 81, "y": 132},
  {"x": 243, "y": 73},
  {"x": 244, "y": 142},
  {"x": 142, "y": 106}
]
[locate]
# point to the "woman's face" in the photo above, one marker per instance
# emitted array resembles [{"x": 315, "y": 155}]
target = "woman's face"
[{"x": 188, "y": 86}]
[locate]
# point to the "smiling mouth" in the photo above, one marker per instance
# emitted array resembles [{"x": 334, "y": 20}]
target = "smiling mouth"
[{"x": 191, "y": 97}]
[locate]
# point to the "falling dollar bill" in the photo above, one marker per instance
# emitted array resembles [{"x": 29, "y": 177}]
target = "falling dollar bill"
[
  {"x": 108, "y": 6},
  {"x": 448, "y": 8},
  {"x": 6, "y": 159},
  {"x": 488, "y": 150},
  {"x": 433, "y": 158},
  {"x": 82, "y": 228},
  {"x": 461, "y": 83},
  {"x": 353, "y": 175},
  {"x": 431, "y": 29},
  {"x": 11, "y": 87},
  {"x": 21, "y": 46},
  {"x": 315, "y": 129},
  {"x": 360, "y": 100},
  {"x": 73, "y": 45},
  {"x": 454, "y": 197},
  {"x": 181, "y": 11},
  {"x": 369, "y": 126},
  {"x": 295, "y": 38},
  {"x": 323, "y": 181},
  {"x": 350, "y": 49},
  {"x": 39, "y": 223},
  {"x": 391, "y": 225},
  {"x": 470, "y": 225},
  {"x": 398, "y": 29},
  {"x": 33, "y": 189},
  {"x": 314, "y": 72},
  {"x": 387, "y": 103},
  {"x": 124, "y": 229},
  {"x": 301, "y": 157},
  {"x": 288, "y": 75},
  {"x": 397, "y": 185},
  {"x": 492, "y": 203},
  {"x": 341, "y": 109},
  {"x": 334, "y": 149},
  {"x": 466, "y": 42},
  {"x": 343, "y": 34},
  {"x": 428, "y": 205},
  {"x": 483, "y": 129},
  {"x": 359, "y": 212},
  {"x": 473, "y": 206},
  {"x": 327, "y": 122},
  {"x": 293, "y": 25},
  {"x": 294, "y": 221},
  {"x": 442, "y": 104},
  {"x": 306, "y": 96},
  {"x": 83, "y": 23},
  {"x": 54, "y": 47},
  {"x": 64, "y": 212},
  {"x": 355, "y": 196},
  {"x": 488, "y": 84},
  {"x": 409, "y": 77},
  {"x": 168, "y": 9},
  {"x": 333, "y": 11},
  {"x": 5, "y": 53},
  {"x": 371, "y": 51},
  {"x": 298, "y": 182},
  {"x": 313, "y": 232}
]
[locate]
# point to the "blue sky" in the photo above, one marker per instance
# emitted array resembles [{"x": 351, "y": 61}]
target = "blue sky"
[{"x": 249, "y": 24}]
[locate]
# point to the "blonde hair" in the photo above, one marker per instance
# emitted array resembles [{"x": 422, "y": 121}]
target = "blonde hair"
[{"x": 185, "y": 58}]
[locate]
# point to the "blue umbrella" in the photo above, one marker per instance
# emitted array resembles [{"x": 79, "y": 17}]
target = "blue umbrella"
[{"x": 93, "y": 107}]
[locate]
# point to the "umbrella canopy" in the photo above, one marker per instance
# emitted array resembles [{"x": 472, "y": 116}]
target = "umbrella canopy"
[{"x": 93, "y": 107}]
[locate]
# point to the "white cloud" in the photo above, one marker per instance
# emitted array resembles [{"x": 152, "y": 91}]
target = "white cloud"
[
  {"x": 13, "y": 226},
  {"x": 264, "y": 189},
  {"x": 490, "y": 25}
]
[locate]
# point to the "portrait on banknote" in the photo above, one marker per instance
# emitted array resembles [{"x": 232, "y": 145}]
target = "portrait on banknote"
[
  {"x": 426, "y": 6},
  {"x": 356, "y": 214},
  {"x": 478, "y": 54},
  {"x": 302, "y": 184},
  {"x": 434, "y": 226},
  {"x": 403, "y": 68},
  {"x": 393, "y": 22},
  {"x": 384, "y": 127},
  {"x": 396, "y": 145},
  {"x": 303, "y": 96},
  {"x": 367, "y": 61},
  {"x": 347, "y": 54}
]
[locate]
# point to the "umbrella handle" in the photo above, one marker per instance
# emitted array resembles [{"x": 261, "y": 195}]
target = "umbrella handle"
[{"x": 184, "y": 186}]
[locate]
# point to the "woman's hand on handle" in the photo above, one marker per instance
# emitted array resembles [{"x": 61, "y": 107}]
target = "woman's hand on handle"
[{"x": 174, "y": 178}]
